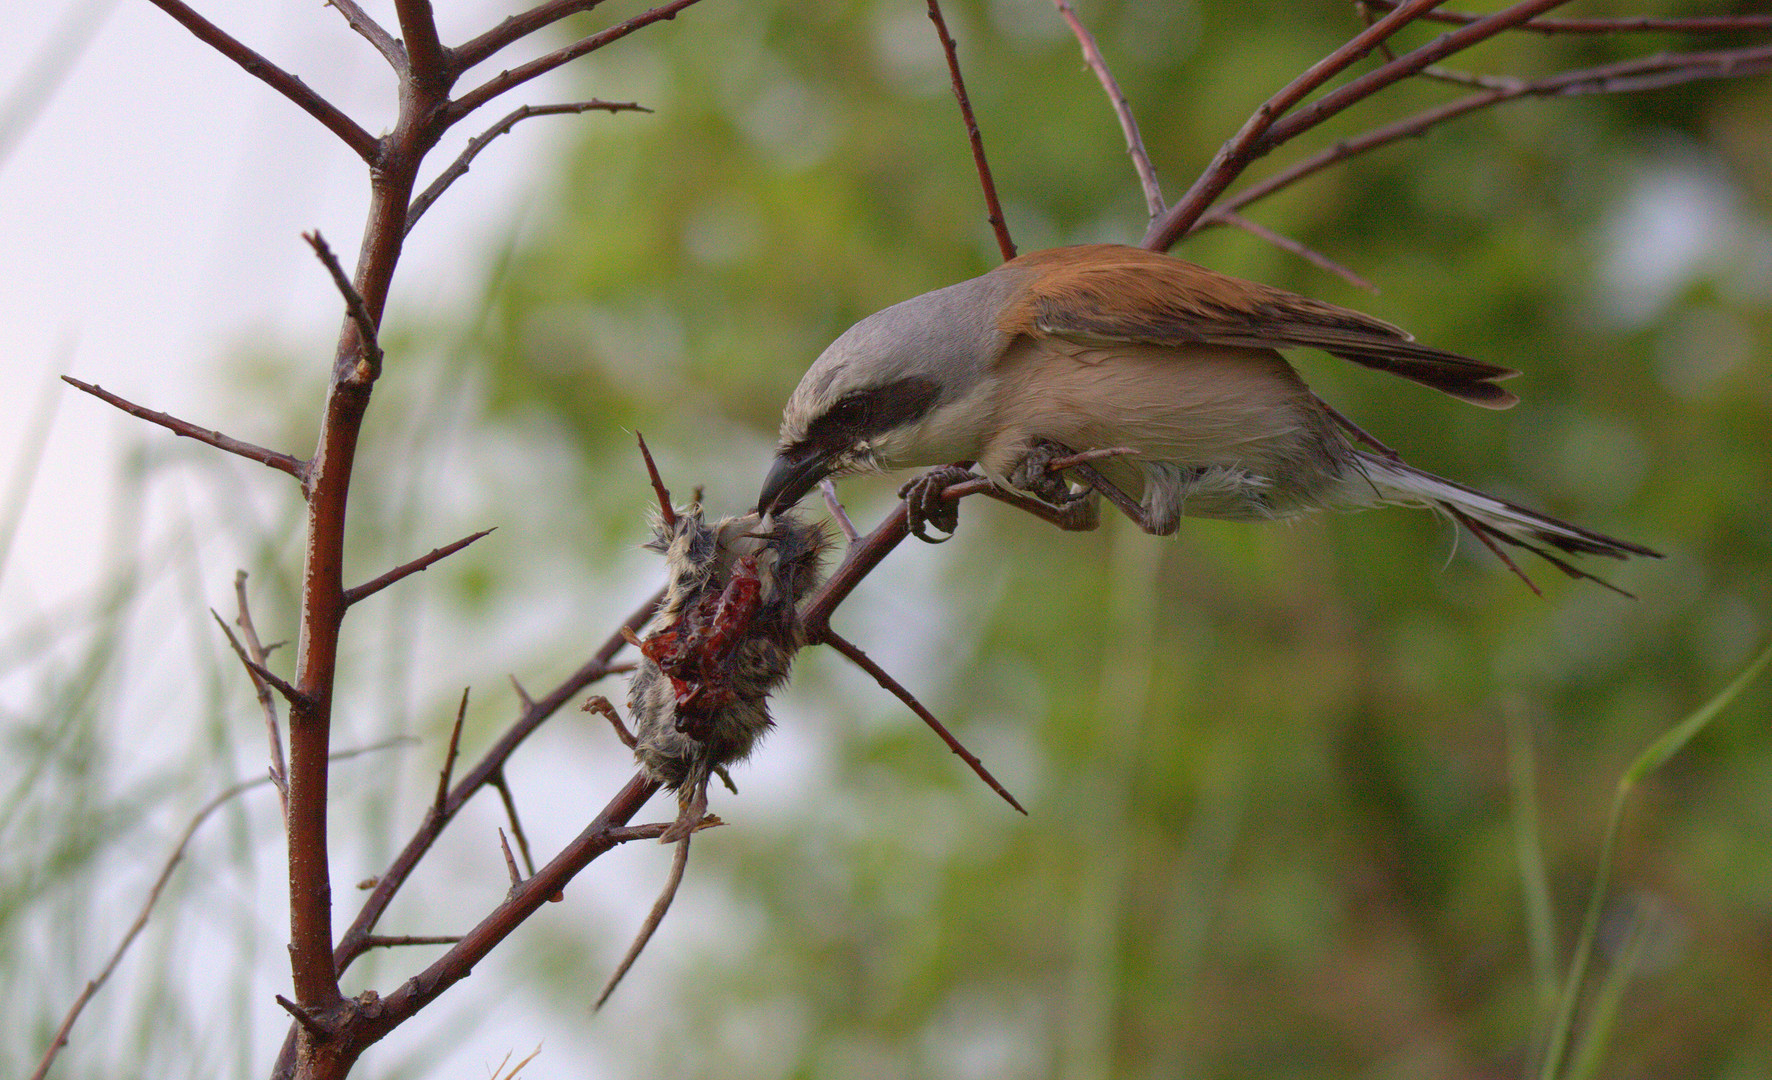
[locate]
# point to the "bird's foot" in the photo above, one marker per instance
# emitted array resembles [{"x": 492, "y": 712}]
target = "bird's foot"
[{"x": 926, "y": 505}]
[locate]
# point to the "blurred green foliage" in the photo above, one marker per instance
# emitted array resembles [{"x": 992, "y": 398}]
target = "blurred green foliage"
[{"x": 1271, "y": 829}]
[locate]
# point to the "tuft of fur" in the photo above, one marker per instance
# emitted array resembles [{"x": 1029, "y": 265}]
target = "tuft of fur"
[{"x": 698, "y": 697}]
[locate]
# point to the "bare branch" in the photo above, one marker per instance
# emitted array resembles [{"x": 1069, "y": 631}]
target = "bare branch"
[
  {"x": 503, "y": 787},
  {"x": 370, "y": 348},
  {"x": 429, "y": 64},
  {"x": 423, "y": 562},
  {"x": 665, "y": 509},
  {"x": 993, "y": 208},
  {"x": 258, "y": 670},
  {"x": 461, "y": 714},
  {"x": 385, "y": 43},
  {"x": 366, "y": 145},
  {"x": 835, "y": 506},
  {"x": 1310, "y": 255},
  {"x": 459, "y": 167},
  {"x": 243, "y": 619},
  {"x": 1141, "y": 160},
  {"x": 389, "y": 883},
  {"x": 1236, "y": 154},
  {"x": 865, "y": 663},
  {"x": 1701, "y": 24},
  {"x": 517, "y": 27},
  {"x": 378, "y": 941},
  {"x": 679, "y": 863},
  {"x": 516, "y": 875},
  {"x": 517, "y": 76},
  {"x": 304, "y": 1018},
  {"x": 1660, "y": 70},
  {"x": 287, "y": 463}
]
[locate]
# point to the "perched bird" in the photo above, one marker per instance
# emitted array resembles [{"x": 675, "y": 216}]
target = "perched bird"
[{"x": 1168, "y": 368}]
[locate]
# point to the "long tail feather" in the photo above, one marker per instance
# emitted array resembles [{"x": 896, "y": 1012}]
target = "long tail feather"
[{"x": 1493, "y": 520}]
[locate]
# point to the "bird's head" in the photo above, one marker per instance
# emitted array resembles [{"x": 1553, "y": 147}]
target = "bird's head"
[{"x": 905, "y": 387}]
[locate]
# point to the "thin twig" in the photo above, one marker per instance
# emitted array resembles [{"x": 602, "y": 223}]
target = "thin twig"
[
  {"x": 304, "y": 1018},
  {"x": 1141, "y": 159},
  {"x": 1242, "y": 148},
  {"x": 601, "y": 706},
  {"x": 423, "y": 562},
  {"x": 504, "y": 845},
  {"x": 523, "y": 697},
  {"x": 865, "y": 663},
  {"x": 666, "y": 511},
  {"x": 517, "y": 27},
  {"x": 366, "y": 145},
  {"x": 1667, "y": 67},
  {"x": 227, "y": 794},
  {"x": 279, "y": 772},
  {"x": 370, "y": 367},
  {"x": 1700, "y": 24},
  {"x": 378, "y": 941},
  {"x": 516, "y": 76},
  {"x": 448, "y": 770},
  {"x": 258, "y": 670},
  {"x": 993, "y": 208},
  {"x": 286, "y": 463},
  {"x": 503, "y": 787},
  {"x": 385, "y": 43},
  {"x": 1308, "y": 254},
  {"x": 679, "y": 863},
  {"x": 459, "y": 167},
  {"x": 835, "y": 506},
  {"x": 429, "y": 64}
]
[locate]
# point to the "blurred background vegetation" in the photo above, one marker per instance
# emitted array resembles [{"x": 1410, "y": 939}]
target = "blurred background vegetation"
[{"x": 1272, "y": 832}]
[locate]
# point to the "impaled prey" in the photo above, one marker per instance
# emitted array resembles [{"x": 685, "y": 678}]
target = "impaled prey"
[{"x": 724, "y": 638}]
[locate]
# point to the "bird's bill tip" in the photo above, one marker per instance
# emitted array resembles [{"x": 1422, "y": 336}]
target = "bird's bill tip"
[{"x": 793, "y": 475}]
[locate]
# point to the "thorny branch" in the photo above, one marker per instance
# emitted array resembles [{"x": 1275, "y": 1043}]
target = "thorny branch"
[
  {"x": 1141, "y": 158},
  {"x": 286, "y": 463},
  {"x": 279, "y": 773},
  {"x": 423, "y": 562},
  {"x": 993, "y": 208}
]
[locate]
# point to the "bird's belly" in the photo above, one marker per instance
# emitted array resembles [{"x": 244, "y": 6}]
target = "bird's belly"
[{"x": 1217, "y": 432}]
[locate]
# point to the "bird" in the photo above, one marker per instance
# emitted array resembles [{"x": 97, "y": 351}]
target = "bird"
[{"x": 1103, "y": 370}]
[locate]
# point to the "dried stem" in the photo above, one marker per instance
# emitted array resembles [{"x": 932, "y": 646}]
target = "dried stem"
[
  {"x": 866, "y": 663},
  {"x": 279, "y": 774},
  {"x": 993, "y": 208},
  {"x": 1141, "y": 159},
  {"x": 521, "y": 74},
  {"x": 1701, "y": 24},
  {"x": 423, "y": 562},
  {"x": 459, "y": 167},
  {"x": 285, "y": 463},
  {"x": 367, "y": 146},
  {"x": 679, "y": 863}
]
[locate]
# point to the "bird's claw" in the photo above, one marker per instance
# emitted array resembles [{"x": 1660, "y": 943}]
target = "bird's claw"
[{"x": 926, "y": 506}]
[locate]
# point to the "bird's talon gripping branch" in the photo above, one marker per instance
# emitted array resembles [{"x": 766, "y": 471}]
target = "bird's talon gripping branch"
[{"x": 926, "y": 503}]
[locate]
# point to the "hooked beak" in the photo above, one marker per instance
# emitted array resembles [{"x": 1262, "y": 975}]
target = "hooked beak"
[{"x": 795, "y": 472}]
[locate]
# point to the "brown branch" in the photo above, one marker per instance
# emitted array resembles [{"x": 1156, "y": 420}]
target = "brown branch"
[
  {"x": 503, "y": 787},
  {"x": 243, "y": 619},
  {"x": 521, "y": 74},
  {"x": 993, "y": 208},
  {"x": 1236, "y": 154},
  {"x": 517, "y": 27},
  {"x": 1141, "y": 159},
  {"x": 1667, "y": 67},
  {"x": 258, "y": 671},
  {"x": 1700, "y": 24},
  {"x": 286, "y": 463},
  {"x": 511, "y": 870},
  {"x": 448, "y": 770},
  {"x": 459, "y": 167},
  {"x": 491, "y": 763},
  {"x": 385, "y": 43},
  {"x": 423, "y": 562},
  {"x": 378, "y": 941},
  {"x": 370, "y": 348},
  {"x": 430, "y": 66},
  {"x": 866, "y": 663},
  {"x": 655, "y": 917},
  {"x": 367, "y": 146},
  {"x": 525, "y": 899},
  {"x": 1308, "y": 254}
]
